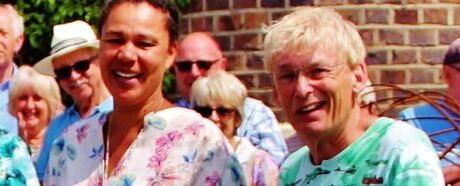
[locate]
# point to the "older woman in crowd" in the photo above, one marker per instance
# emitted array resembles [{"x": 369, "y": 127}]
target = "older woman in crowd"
[
  {"x": 145, "y": 140},
  {"x": 34, "y": 101},
  {"x": 220, "y": 98},
  {"x": 316, "y": 59}
]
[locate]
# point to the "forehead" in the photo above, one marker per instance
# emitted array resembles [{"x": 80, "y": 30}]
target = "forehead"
[
  {"x": 140, "y": 19},
  {"x": 5, "y": 19},
  {"x": 305, "y": 59}
]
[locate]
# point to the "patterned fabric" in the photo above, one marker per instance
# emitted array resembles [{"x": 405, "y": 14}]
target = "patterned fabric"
[
  {"x": 388, "y": 153},
  {"x": 57, "y": 127},
  {"x": 8, "y": 122},
  {"x": 259, "y": 167},
  {"x": 16, "y": 167},
  {"x": 430, "y": 120},
  {"x": 260, "y": 126},
  {"x": 176, "y": 147}
]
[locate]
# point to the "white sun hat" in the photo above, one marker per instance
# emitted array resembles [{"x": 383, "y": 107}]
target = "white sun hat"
[{"x": 67, "y": 37}]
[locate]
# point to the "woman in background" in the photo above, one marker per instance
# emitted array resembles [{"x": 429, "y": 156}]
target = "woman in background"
[
  {"x": 220, "y": 98},
  {"x": 34, "y": 101}
]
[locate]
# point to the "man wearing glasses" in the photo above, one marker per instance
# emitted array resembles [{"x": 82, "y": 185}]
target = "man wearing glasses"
[
  {"x": 199, "y": 54},
  {"x": 431, "y": 120},
  {"x": 73, "y": 62}
]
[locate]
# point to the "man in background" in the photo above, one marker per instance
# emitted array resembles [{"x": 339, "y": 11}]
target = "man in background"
[
  {"x": 11, "y": 39},
  {"x": 199, "y": 54}
]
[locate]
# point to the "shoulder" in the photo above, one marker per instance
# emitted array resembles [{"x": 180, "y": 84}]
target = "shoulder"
[
  {"x": 400, "y": 135},
  {"x": 295, "y": 159}
]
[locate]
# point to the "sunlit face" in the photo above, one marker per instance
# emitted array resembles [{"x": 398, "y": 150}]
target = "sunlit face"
[
  {"x": 315, "y": 91},
  {"x": 9, "y": 42},
  {"x": 80, "y": 85},
  {"x": 227, "y": 119},
  {"x": 31, "y": 109},
  {"x": 134, "y": 52}
]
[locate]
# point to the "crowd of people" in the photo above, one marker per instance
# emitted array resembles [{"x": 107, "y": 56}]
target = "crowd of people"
[{"x": 122, "y": 130}]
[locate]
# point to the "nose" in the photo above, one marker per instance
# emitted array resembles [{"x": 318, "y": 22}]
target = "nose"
[
  {"x": 303, "y": 86},
  {"x": 74, "y": 75},
  {"x": 214, "y": 117},
  {"x": 30, "y": 102},
  {"x": 195, "y": 71},
  {"x": 127, "y": 53}
]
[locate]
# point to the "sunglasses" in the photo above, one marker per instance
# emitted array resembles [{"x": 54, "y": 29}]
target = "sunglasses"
[
  {"x": 207, "y": 111},
  {"x": 65, "y": 72},
  {"x": 186, "y": 65}
]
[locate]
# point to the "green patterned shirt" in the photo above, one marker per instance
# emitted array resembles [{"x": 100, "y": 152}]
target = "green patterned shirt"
[{"x": 389, "y": 153}]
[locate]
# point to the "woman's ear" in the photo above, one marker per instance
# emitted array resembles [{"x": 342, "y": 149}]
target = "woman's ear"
[{"x": 172, "y": 52}]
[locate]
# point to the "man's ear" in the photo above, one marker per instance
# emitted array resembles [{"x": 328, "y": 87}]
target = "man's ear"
[
  {"x": 19, "y": 42},
  {"x": 172, "y": 52},
  {"x": 446, "y": 75},
  {"x": 360, "y": 77},
  {"x": 275, "y": 96}
]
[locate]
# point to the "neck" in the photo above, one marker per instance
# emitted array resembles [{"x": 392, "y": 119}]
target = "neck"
[
  {"x": 5, "y": 73},
  {"x": 33, "y": 136},
  {"x": 454, "y": 94},
  {"x": 85, "y": 107},
  {"x": 329, "y": 145}
]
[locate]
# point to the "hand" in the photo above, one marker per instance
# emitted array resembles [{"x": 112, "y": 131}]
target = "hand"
[{"x": 452, "y": 174}]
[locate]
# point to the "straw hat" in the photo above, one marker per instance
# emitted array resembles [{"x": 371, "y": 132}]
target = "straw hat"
[{"x": 67, "y": 38}]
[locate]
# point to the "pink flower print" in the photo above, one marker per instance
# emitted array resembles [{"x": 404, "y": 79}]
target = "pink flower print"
[
  {"x": 167, "y": 140},
  {"x": 156, "y": 160},
  {"x": 213, "y": 179},
  {"x": 82, "y": 133},
  {"x": 163, "y": 177},
  {"x": 194, "y": 128}
]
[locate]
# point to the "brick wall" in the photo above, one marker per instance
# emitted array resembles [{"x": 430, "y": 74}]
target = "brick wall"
[{"x": 406, "y": 39}]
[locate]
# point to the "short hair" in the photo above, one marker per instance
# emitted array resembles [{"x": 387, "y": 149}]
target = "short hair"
[
  {"x": 45, "y": 86},
  {"x": 17, "y": 20},
  {"x": 219, "y": 87},
  {"x": 172, "y": 25},
  {"x": 311, "y": 28}
]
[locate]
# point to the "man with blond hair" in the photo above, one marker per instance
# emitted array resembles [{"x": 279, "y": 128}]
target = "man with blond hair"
[{"x": 11, "y": 39}]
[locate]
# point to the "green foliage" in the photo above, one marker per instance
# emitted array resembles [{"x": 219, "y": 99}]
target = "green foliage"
[{"x": 41, "y": 15}]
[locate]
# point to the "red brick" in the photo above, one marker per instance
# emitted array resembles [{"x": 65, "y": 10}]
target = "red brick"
[
  {"x": 279, "y": 15},
  {"x": 329, "y": 2},
  {"x": 433, "y": 56},
  {"x": 350, "y": 15},
  {"x": 392, "y": 37},
  {"x": 225, "y": 23},
  {"x": 265, "y": 97},
  {"x": 301, "y": 2},
  {"x": 272, "y": 3},
  {"x": 418, "y": 1},
  {"x": 448, "y": 1},
  {"x": 235, "y": 63},
  {"x": 247, "y": 80},
  {"x": 184, "y": 26},
  {"x": 421, "y": 38},
  {"x": 196, "y": 6},
  {"x": 246, "y": 42},
  {"x": 217, "y": 4},
  {"x": 457, "y": 16},
  {"x": 202, "y": 24},
  {"x": 404, "y": 16},
  {"x": 404, "y": 56},
  {"x": 420, "y": 76},
  {"x": 244, "y": 4},
  {"x": 224, "y": 42},
  {"x": 359, "y": 1},
  {"x": 435, "y": 16},
  {"x": 254, "y": 62},
  {"x": 393, "y": 77},
  {"x": 447, "y": 36},
  {"x": 391, "y": 1},
  {"x": 379, "y": 16},
  {"x": 255, "y": 20},
  {"x": 366, "y": 35},
  {"x": 377, "y": 57},
  {"x": 265, "y": 81}
]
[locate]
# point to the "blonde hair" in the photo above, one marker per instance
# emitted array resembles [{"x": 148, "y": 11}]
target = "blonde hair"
[
  {"x": 314, "y": 28},
  {"x": 45, "y": 86},
  {"x": 17, "y": 19},
  {"x": 219, "y": 88}
]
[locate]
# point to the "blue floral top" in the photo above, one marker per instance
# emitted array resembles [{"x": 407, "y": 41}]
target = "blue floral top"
[{"x": 16, "y": 166}]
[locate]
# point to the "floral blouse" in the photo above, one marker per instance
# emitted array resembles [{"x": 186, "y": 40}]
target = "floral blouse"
[
  {"x": 176, "y": 147},
  {"x": 16, "y": 166}
]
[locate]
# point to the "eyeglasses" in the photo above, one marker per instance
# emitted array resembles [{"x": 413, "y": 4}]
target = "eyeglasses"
[
  {"x": 186, "y": 65},
  {"x": 207, "y": 111},
  {"x": 65, "y": 72}
]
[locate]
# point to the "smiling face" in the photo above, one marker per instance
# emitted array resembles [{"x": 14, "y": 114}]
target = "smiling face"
[
  {"x": 10, "y": 42},
  {"x": 31, "y": 109},
  {"x": 315, "y": 90},
  {"x": 134, "y": 52},
  {"x": 80, "y": 85}
]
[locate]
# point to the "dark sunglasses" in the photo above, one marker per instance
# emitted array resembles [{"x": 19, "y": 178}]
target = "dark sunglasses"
[
  {"x": 207, "y": 111},
  {"x": 65, "y": 72},
  {"x": 186, "y": 65}
]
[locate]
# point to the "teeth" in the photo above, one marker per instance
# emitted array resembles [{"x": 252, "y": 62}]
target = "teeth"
[
  {"x": 125, "y": 75},
  {"x": 311, "y": 107}
]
